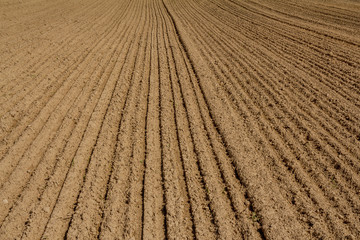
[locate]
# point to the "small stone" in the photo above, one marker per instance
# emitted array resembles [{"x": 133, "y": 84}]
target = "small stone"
[
  {"x": 47, "y": 209},
  {"x": 5, "y": 201}
]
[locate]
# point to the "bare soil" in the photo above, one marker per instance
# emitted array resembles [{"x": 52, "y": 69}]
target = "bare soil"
[{"x": 179, "y": 119}]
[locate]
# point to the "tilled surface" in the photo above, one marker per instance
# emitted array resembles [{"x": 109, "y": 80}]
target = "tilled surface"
[{"x": 179, "y": 119}]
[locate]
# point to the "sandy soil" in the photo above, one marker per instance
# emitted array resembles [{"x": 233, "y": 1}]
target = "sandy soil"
[{"x": 179, "y": 119}]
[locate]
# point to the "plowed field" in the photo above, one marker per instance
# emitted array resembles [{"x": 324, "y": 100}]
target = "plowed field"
[{"x": 179, "y": 119}]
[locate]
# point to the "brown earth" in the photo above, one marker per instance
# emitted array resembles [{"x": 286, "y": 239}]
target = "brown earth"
[{"x": 179, "y": 119}]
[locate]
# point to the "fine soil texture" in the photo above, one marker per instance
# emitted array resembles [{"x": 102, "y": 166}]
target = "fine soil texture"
[{"x": 179, "y": 119}]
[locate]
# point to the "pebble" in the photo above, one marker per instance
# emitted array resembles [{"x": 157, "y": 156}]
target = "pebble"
[
  {"x": 47, "y": 209},
  {"x": 5, "y": 201}
]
